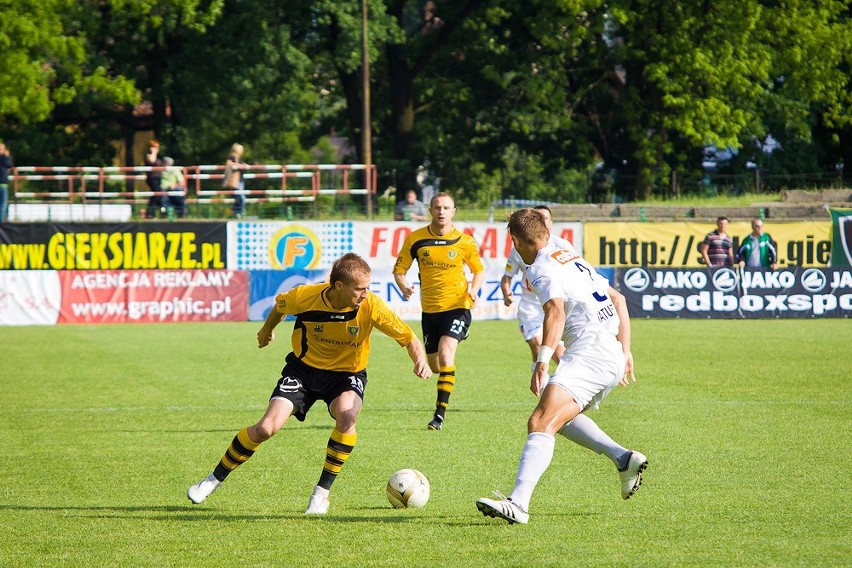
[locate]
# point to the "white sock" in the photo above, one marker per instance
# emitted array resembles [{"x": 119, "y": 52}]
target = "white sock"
[
  {"x": 535, "y": 458},
  {"x": 321, "y": 491},
  {"x": 585, "y": 432}
]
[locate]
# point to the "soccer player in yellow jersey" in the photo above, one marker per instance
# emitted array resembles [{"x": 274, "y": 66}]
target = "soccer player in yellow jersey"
[
  {"x": 442, "y": 252},
  {"x": 331, "y": 345}
]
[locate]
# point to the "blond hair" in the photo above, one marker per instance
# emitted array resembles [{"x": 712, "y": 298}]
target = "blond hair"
[
  {"x": 439, "y": 195},
  {"x": 528, "y": 226},
  {"x": 347, "y": 267}
]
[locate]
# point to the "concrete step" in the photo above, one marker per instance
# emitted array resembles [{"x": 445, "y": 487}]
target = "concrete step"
[
  {"x": 650, "y": 213},
  {"x": 829, "y": 196}
]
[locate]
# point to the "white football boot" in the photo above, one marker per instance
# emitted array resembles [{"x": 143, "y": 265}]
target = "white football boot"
[
  {"x": 504, "y": 508},
  {"x": 319, "y": 503},
  {"x": 631, "y": 475},
  {"x": 202, "y": 490}
]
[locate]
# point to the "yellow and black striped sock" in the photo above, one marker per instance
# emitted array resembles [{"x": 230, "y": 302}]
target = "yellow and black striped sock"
[
  {"x": 238, "y": 452},
  {"x": 336, "y": 453},
  {"x": 446, "y": 382}
]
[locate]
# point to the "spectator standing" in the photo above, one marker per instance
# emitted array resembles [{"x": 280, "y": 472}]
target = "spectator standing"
[
  {"x": 6, "y": 164},
  {"x": 427, "y": 183},
  {"x": 431, "y": 22},
  {"x": 233, "y": 180},
  {"x": 717, "y": 248},
  {"x": 174, "y": 184},
  {"x": 442, "y": 252},
  {"x": 758, "y": 250},
  {"x": 158, "y": 200},
  {"x": 412, "y": 209}
]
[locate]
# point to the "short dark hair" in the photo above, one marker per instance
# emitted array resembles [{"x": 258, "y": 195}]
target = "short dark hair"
[
  {"x": 346, "y": 267},
  {"x": 722, "y": 218}
]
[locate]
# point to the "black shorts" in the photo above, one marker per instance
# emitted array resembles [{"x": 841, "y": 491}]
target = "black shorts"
[
  {"x": 454, "y": 323},
  {"x": 303, "y": 385}
]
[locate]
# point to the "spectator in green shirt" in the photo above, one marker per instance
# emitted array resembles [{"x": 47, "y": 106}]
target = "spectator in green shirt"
[{"x": 758, "y": 250}]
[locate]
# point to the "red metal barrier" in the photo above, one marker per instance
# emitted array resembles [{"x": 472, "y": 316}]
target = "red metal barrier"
[{"x": 203, "y": 182}]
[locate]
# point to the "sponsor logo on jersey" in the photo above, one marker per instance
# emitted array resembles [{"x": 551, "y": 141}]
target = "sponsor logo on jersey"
[
  {"x": 288, "y": 384},
  {"x": 564, "y": 256}
]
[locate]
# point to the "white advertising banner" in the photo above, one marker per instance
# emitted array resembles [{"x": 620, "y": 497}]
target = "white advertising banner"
[
  {"x": 308, "y": 249},
  {"x": 29, "y": 297}
]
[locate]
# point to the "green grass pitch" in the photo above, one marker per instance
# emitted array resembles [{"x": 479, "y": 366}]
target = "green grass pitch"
[{"x": 746, "y": 425}]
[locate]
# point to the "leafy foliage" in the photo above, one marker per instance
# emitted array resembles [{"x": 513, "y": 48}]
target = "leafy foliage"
[{"x": 568, "y": 100}]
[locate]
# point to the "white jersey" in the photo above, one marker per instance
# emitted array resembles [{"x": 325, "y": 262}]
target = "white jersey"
[
  {"x": 563, "y": 274},
  {"x": 514, "y": 265}
]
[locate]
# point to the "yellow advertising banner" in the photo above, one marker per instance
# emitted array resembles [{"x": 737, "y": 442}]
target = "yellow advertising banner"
[{"x": 675, "y": 244}]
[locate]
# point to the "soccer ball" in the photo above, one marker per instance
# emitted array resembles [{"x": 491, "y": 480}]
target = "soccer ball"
[{"x": 408, "y": 488}]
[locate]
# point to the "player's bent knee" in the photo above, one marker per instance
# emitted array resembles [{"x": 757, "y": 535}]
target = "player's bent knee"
[
  {"x": 262, "y": 431},
  {"x": 346, "y": 418},
  {"x": 539, "y": 421}
]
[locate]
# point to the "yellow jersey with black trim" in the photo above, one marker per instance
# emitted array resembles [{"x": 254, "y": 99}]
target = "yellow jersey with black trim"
[
  {"x": 441, "y": 260},
  {"x": 337, "y": 340}
]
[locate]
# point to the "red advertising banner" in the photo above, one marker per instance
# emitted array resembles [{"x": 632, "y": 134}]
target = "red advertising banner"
[{"x": 153, "y": 296}]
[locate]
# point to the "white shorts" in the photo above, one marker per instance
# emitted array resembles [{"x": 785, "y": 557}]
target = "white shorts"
[
  {"x": 530, "y": 319},
  {"x": 589, "y": 372}
]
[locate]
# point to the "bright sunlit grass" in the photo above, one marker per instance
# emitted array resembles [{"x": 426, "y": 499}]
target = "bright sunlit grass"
[{"x": 745, "y": 423}]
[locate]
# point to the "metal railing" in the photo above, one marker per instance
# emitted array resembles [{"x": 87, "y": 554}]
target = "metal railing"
[{"x": 266, "y": 183}]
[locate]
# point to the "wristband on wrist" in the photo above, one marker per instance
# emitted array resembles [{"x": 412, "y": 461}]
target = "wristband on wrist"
[{"x": 544, "y": 354}]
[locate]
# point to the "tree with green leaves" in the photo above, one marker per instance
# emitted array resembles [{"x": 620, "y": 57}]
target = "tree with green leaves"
[
  {"x": 47, "y": 69},
  {"x": 503, "y": 98}
]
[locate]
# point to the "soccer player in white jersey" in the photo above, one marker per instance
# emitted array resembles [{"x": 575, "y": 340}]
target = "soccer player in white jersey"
[
  {"x": 592, "y": 319},
  {"x": 530, "y": 313}
]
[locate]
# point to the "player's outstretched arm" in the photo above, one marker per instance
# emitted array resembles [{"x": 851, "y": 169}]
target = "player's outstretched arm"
[
  {"x": 418, "y": 356},
  {"x": 266, "y": 334}
]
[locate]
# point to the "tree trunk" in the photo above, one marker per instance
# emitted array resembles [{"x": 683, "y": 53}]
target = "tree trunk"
[
  {"x": 846, "y": 152},
  {"x": 351, "y": 83},
  {"x": 401, "y": 124}
]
